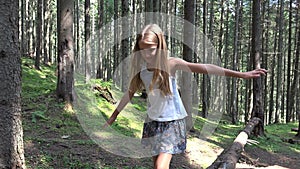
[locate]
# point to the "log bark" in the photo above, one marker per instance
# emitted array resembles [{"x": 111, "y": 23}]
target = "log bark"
[
  {"x": 229, "y": 157},
  {"x": 105, "y": 93}
]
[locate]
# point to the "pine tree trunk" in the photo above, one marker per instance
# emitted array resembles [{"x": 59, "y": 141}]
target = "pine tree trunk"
[
  {"x": 87, "y": 36},
  {"x": 39, "y": 33},
  {"x": 100, "y": 41},
  {"x": 255, "y": 55},
  {"x": 233, "y": 99},
  {"x": 11, "y": 131},
  {"x": 188, "y": 38},
  {"x": 205, "y": 78},
  {"x": 65, "y": 81},
  {"x": 280, "y": 62},
  {"x": 125, "y": 45},
  {"x": 46, "y": 31}
]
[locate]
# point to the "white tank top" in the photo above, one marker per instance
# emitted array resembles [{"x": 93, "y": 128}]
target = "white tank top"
[{"x": 160, "y": 107}]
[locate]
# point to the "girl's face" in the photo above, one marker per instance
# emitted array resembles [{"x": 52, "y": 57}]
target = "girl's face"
[{"x": 148, "y": 51}]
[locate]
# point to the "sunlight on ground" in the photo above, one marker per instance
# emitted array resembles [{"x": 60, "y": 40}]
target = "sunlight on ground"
[
  {"x": 246, "y": 166},
  {"x": 201, "y": 152}
]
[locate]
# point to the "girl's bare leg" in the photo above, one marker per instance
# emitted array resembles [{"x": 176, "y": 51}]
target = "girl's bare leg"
[{"x": 162, "y": 161}]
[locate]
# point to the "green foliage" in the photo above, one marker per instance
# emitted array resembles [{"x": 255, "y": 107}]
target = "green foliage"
[
  {"x": 38, "y": 114},
  {"x": 275, "y": 136}
]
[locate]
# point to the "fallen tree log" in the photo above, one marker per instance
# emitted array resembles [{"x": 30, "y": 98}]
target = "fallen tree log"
[
  {"x": 294, "y": 129},
  {"x": 105, "y": 93},
  {"x": 229, "y": 157}
]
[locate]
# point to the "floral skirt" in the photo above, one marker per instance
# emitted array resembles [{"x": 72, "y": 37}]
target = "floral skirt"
[{"x": 165, "y": 137}]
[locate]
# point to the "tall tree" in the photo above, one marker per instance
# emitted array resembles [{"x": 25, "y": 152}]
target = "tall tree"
[
  {"x": 87, "y": 36},
  {"x": 296, "y": 86},
  {"x": 125, "y": 45},
  {"x": 11, "y": 132},
  {"x": 280, "y": 82},
  {"x": 39, "y": 34},
  {"x": 205, "y": 77},
  {"x": 100, "y": 24},
  {"x": 188, "y": 38},
  {"x": 233, "y": 100},
  {"x": 256, "y": 56},
  {"x": 65, "y": 68}
]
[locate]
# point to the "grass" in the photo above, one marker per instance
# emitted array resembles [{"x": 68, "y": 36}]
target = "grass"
[{"x": 44, "y": 115}]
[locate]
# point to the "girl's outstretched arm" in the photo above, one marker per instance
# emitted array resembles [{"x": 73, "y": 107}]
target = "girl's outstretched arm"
[
  {"x": 216, "y": 70},
  {"x": 123, "y": 102}
]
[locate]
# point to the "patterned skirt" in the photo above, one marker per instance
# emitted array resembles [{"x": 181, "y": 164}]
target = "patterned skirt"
[{"x": 165, "y": 137}]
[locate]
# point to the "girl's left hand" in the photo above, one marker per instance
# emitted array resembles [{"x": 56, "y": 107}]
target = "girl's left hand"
[{"x": 254, "y": 73}]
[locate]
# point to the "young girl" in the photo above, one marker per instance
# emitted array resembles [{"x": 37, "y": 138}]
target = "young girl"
[{"x": 164, "y": 130}]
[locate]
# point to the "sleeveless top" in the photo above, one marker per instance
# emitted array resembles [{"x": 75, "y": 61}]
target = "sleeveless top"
[{"x": 160, "y": 107}]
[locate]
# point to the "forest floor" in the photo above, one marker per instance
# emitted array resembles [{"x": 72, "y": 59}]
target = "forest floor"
[
  {"x": 53, "y": 143},
  {"x": 54, "y": 138}
]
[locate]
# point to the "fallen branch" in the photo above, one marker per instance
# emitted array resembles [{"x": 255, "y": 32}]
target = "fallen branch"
[
  {"x": 105, "y": 93},
  {"x": 229, "y": 157},
  {"x": 294, "y": 129}
]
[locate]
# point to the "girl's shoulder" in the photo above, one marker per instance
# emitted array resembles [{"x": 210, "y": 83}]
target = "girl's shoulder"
[{"x": 173, "y": 61}]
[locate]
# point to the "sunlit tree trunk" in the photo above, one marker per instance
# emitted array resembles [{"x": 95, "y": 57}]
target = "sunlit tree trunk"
[
  {"x": 65, "y": 81},
  {"x": 46, "y": 14},
  {"x": 11, "y": 131},
  {"x": 125, "y": 45},
  {"x": 87, "y": 36}
]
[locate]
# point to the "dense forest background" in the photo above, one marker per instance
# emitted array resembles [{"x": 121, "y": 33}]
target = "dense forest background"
[{"x": 227, "y": 24}]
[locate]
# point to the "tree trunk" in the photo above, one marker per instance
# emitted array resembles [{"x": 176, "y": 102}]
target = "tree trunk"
[
  {"x": 46, "y": 31},
  {"x": 125, "y": 46},
  {"x": 65, "y": 81},
  {"x": 87, "y": 36},
  {"x": 205, "y": 77},
  {"x": 188, "y": 54},
  {"x": 39, "y": 33},
  {"x": 296, "y": 85},
  {"x": 279, "y": 63},
  {"x": 100, "y": 73},
  {"x": 229, "y": 157},
  {"x": 148, "y": 8},
  {"x": 116, "y": 44},
  {"x": 255, "y": 55},
  {"x": 11, "y": 131},
  {"x": 233, "y": 105}
]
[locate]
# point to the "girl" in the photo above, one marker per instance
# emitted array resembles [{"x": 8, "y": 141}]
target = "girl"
[{"x": 164, "y": 130}]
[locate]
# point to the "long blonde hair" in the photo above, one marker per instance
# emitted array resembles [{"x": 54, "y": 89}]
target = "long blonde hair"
[{"x": 151, "y": 33}]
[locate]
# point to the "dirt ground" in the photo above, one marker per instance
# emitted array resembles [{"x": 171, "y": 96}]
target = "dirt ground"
[{"x": 48, "y": 149}]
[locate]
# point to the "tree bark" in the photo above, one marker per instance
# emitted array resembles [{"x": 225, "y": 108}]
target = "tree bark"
[
  {"x": 87, "y": 36},
  {"x": 188, "y": 38},
  {"x": 11, "y": 131},
  {"x": 65, "y": 81},
  {"x": 229, "y": 157},
  {"x": 255, "y": 55},
  {"x": 125, "y": 46},
  {"x": 233, "y": 104},
  {"x": 39, "y": 33}
]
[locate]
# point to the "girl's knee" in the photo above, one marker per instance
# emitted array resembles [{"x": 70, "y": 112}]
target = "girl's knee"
[{"x": 161, "y": 166}]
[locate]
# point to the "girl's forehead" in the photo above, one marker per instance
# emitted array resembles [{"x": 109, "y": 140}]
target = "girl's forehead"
[{"x": 146, "y": 44}]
